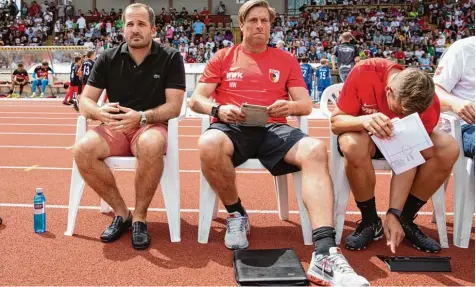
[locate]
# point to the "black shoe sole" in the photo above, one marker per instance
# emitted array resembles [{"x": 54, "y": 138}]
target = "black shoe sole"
[
  {"x": 141, "y": 247},
  {"x": 109, "y": 240},
  {"x": 426, "y": 250}
]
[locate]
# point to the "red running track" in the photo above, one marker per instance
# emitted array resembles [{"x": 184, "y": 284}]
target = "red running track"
[{"x": 35, "y": 137}]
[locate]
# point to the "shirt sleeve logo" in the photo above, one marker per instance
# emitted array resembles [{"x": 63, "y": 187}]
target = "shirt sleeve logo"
[
  {"x": 438, "y": 71},
  {"x": 274, "y": 75}
]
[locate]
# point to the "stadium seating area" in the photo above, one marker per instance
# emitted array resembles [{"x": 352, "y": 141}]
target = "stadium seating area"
[{"x": 411, "y": 35}]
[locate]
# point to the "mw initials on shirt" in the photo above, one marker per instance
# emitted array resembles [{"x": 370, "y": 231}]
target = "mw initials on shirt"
[{"x": 232, "y": 84}]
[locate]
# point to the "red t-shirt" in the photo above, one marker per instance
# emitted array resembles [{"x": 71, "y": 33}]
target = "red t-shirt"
[
  {"x": 257, "y": 79},
  {"x": 364, "y": 93}
]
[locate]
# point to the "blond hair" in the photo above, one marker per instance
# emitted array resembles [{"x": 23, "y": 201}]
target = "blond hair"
[
  {"x": 416, "y": 90},
  {"x": 246, "y": 8},
  {"x": 346, "y": 36},
  {"x": 324, "y": 61}
]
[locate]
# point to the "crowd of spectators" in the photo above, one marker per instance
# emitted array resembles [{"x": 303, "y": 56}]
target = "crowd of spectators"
[
  {"x": 412, "y": 36},
  {"x": 415, "y": 35}
]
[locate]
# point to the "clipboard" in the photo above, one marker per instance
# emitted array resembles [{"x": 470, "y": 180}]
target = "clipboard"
[{"x": 256, "y": 116}]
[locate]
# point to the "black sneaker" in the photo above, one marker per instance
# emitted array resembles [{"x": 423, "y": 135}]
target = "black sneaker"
[
  {"x": 418, "y": 239},
  {"x": 140, "y": 235},
  {"x": 363, "y": 234},
  {"x": 117, "y": 228}
]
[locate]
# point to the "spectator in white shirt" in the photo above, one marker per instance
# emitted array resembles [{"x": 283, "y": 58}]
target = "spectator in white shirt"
[
  {"x": 455, "y": 83},
  {"x": 81, "y": 22}
]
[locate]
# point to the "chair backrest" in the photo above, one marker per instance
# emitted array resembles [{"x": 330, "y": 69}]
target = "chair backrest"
[
  {"x": 102, "y": 98},
  {"x": 331, "y": 93}
]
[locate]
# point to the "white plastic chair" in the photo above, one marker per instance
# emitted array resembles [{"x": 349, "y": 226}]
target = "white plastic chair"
[
  {"x": 209, "y": 199},
  {"x": 463, "y": 188},
  {"x": 341, "y": 184},
  {"x": 170, "y": 181}
]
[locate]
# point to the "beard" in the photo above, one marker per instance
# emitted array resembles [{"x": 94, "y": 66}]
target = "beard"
[{"x": 138, "y": 43}]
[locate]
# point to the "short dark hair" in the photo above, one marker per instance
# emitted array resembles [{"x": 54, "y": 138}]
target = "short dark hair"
[
  {"x": 44, "y": 63},
  {"x": 141, "y": 5}
]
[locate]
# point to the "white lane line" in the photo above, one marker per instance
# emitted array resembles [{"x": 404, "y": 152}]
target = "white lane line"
[
  {"x": 37, "y": 134},
  {"x": 65, "y": 147},
  {"x": 187, "y": 210},
  {"x": 182, "y": 170},
  {"x": 35, "y": 106},
  {"x": 41, "y": 113},
  {"x": 38, "y": 118},
  {"x": 71, "y": 134},
  {"x": 72, "y": 125},
  {"x": 15, "y": 124}
]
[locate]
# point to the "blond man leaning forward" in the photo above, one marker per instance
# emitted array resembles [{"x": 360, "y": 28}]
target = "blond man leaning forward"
[
  {"x": 254, "y": 73},
  {"x": 376, "y": 91}
]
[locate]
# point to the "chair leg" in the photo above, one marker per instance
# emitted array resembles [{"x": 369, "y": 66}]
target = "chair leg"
[
  {"x": 281, "y": 189},
  {"x": 433, "y": 217},
  {"x": 75, "y": 192},
  {"x": 215, "y": 210},
  {"x": 341, "y": 192},
  {"x": 303, "y": 214},
  {"x": 206, "y": 209},
  {"x": 463, "y": 206},
  {"x": 105, "y": 208},
  {"x": 170, "y": 185},
  {"x": 439, "y": 207}
]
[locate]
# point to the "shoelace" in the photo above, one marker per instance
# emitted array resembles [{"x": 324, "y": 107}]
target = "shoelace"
[
  {"x": 237, "y": 224},
  {"x": 361, "y": 227},
  {"x": 337, "y": 260}
]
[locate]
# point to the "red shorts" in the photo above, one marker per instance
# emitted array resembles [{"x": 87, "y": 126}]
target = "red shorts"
[{"x": 124, "y": 143}]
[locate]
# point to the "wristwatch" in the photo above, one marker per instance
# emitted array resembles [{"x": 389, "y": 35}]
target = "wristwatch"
[
  {"x": 394, "y": 211},
  {"x": 143, "y": 119},
  {"x": 215, "y": 110}
]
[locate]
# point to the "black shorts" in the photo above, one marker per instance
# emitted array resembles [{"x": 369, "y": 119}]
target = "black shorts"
[
  {"x": 378, "y": 154},
  {"x": 268, "y": 144},
  {"x": 21, "y": 82}
]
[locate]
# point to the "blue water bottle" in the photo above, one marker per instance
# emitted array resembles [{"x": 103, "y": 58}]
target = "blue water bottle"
[{"x": 39, "y": 216}]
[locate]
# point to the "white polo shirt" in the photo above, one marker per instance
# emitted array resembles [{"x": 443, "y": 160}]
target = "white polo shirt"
[{"x": 455, "y": 72}]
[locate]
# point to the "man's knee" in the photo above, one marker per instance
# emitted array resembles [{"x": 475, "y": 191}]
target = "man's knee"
[
  {"x": 151, "y": 145},
  {"x": 213, "y": 145},
  {"x": 44, "y": 81},
  {"x": 312, "y": 151},
  {"x": 355, "y": 146},
  {"x": 445, "y": 149},
  {"x": 90, "y": 146}
]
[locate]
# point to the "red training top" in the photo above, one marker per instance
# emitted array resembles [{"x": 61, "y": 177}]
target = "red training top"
[
  {"x": 364, "y": 93},
  {"x": 257, "y": 79}
]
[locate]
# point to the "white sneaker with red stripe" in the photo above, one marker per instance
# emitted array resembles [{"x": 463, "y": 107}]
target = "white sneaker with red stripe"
[
  {"x": 333, "y": 270},
  {"x": 237, "y": 228}
]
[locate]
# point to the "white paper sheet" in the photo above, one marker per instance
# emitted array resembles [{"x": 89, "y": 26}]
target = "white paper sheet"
[
  {"x": 402, "y": 151},
  {"x": 256, "y": 116}
]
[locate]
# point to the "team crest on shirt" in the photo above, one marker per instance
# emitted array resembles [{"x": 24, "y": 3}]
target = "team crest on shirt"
[{"x": 274, "y": 75}]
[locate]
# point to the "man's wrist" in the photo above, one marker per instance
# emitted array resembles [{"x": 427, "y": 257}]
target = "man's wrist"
[{"x": 395, "y": 212}]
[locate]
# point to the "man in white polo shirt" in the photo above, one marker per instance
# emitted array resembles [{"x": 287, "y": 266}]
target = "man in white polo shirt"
[{"x": 454, "y": 84}]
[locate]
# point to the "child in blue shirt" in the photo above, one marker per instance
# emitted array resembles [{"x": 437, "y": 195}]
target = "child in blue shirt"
[
  {"x": 307, "y": 72},
  {"x": 324, "y": 78}
]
